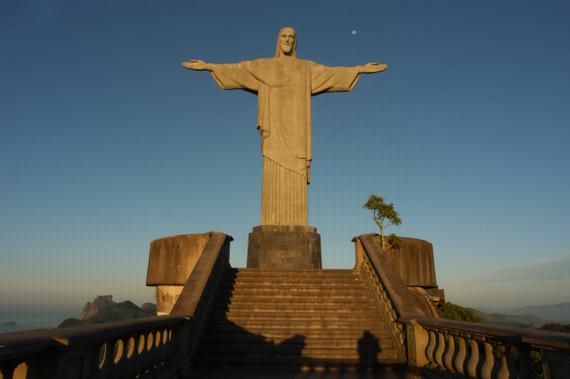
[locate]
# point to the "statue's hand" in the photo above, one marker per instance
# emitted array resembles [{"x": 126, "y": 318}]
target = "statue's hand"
[
  {"x": 373, "y": 67},
  {"x": 196, "y": 64}
]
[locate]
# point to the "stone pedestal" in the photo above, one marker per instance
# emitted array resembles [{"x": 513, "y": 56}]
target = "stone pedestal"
[
  {"x": 413, "y": 261},
  {"x": 284, "y": 246},
  {"x": 171, "y": 260}
]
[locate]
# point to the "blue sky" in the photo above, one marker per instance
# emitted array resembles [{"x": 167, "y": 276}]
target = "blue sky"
[{"x": 107, "y": 143}]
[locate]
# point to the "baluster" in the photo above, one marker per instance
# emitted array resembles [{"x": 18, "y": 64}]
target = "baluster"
[
  {"x": 459, "y": 361},
  {"x": 546, "y": 371},
  {"x": 449, "y": 352},
  {"x": 489, "y": 362},
  {"x": 510, "y": 351},
  {"x": 527, "y": 370},
  {"x": 473, "y": 361},
  {"x": 504, "y": 372},
  {"x": 439, "y": 350},
  {"x": 430, "y": 348},
  {"x": 8, "y": 370}
]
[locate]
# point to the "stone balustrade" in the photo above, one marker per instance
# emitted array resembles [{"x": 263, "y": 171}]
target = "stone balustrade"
[
  {"x": 381, "y": 297},
  {"x": 148, "y": 347},
  {"x": 387, "y": 288},
  {"x": 160, "y": 347},
  {"x": 483, "y": 351}
]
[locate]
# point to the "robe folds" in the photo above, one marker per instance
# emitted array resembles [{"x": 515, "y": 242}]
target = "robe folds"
[{"x": 284, "y": 87}]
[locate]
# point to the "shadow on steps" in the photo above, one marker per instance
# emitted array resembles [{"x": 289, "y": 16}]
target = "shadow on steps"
[{"x": 302, "y": 337}]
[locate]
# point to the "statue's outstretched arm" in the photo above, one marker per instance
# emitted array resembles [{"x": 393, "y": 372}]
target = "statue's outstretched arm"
[
  {"x": 198, "y": 65},
  {"x": 373, "y": 67},
  {"x": 227, "y": 75}
]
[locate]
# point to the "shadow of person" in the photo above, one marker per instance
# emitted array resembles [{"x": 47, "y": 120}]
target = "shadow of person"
[
  {"x": 368, "y": 349},
  {"x": 293, "y": 349}
]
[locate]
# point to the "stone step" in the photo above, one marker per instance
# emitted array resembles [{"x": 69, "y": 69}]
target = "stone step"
[
  {"x": 294, "y": 316},
  {"x": 292, "y": 279},
  {"x": 224, "y": 294},
  {"x": 307, "y": 364},
  {"x": 333, "y": 308},
  {"x": 265, "y": 317},
  {"x": 279, "y": 334},
  {"x": 253, "y": 324},
  {"x": 283, "y": 351},
  {"x": 313, "y": 343},
  {"x": 273, "y": 273},
  {"x": 299, "y": 295},
  {"x": 286, "y": 300},
  {"x": 284, "y": 285},
  {"x": 345, "y": 288},
  {"x": 289, "y": 300},
  {"x": 295, "y": 308},
  {"x": 279, "y": 353},
  {"x": 262, "y": 273}
]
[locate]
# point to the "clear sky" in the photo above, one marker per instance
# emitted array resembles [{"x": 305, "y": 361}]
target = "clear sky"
[{"x": 107, "y": 143}]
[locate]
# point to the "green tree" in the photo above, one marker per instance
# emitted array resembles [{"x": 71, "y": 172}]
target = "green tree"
[
  {"x": 554, "y": 327},
  {"x": 383, "y": 214},
  {"x": 456, "y": 312}
]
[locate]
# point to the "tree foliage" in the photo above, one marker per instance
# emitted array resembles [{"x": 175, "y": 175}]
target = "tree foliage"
[
  {"x": 456, "y": 312},
  {"x": 394, "y": 241},
  {"x": 555, "y": 327},
  {"x": 384, "y": 214}
]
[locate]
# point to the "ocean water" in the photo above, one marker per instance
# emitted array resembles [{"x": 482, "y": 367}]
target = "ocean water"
[{"x": 28, "y": 317}]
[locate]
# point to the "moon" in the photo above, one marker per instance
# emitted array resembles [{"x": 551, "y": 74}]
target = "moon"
[{"x": 354, "y": 32}]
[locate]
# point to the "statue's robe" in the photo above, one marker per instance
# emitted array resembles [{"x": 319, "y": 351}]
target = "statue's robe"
[{"x": 284, "y": 87}]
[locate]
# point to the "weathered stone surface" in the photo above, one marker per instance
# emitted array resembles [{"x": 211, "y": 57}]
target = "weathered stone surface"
[
  {"x": 405, "y": 304},
  {"x": 414, "y": 262},
  {"x": 172, "y": 259},
  {"x": 170, "y": 262},
  {"x": 284, "y": 246},
  {"x": 166, "y": 297},
  {"x": 409, "y": 301}
]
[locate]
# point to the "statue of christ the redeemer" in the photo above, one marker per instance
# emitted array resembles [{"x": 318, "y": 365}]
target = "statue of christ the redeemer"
[{"x": 284, "y": 86}]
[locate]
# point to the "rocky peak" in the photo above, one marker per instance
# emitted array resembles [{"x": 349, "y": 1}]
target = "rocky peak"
[{"x": 91, "y": 309}]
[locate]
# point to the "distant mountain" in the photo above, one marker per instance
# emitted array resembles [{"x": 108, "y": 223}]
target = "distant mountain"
[
  {"x": 520, "y": 321},
  {"x": 91, "y": 309},
  {"x": 149, "y": 307},
  {"x": 529, "y": 315},
  {"x": 104, "y": 309},
  {"x": 559, "y": 313}
]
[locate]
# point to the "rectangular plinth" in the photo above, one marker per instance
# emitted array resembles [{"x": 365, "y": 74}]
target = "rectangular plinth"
[{"x": 284, "y": 246}]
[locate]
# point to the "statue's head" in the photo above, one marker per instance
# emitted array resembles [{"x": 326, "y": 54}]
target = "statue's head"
[{"x": 286, "y": 43}]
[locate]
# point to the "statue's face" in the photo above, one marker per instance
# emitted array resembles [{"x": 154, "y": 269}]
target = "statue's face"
[{"x": 287, "y": 41}]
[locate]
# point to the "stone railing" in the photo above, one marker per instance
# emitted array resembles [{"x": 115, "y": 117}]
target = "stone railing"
[
  {"x": 390, "y": 294},
  {"x": 470, "y": 350},
  {"x": 148, "y": 347},
  {"x": 154, "y": 347},
  {"x": 198, "y": 295},
  {"x": 382, "y": 299}
]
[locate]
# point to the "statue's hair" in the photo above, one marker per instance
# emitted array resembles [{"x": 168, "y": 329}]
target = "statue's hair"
[{"x": 278, "y": 52}]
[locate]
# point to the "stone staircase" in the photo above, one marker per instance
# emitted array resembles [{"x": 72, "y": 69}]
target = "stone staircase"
[{"x": 295, "y": 318}]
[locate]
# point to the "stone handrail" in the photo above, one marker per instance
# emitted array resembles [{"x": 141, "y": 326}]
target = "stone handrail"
[
  {"x": 388, "y": 290},
  {"x": 402, "y": 302},
  {"x": 153, "y": 347},
  {"x": 197, "y": 296},
  {"x": 115, "y": 349},
  {"x": 485, "y": 351}
]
